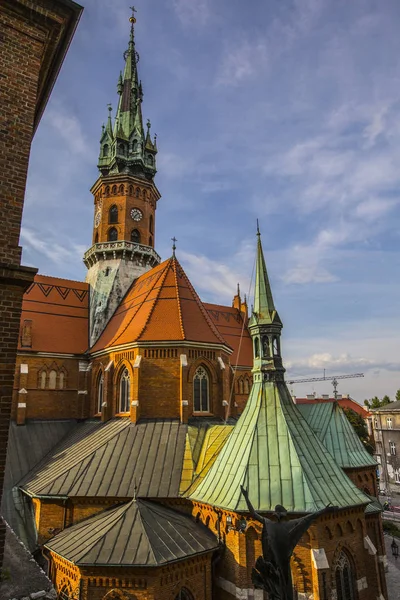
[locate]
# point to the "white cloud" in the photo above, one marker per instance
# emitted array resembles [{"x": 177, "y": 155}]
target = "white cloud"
[
  {"x": 192, "y": 13},
  {"x": 70, "y": 129},
  {"x": 50, "y": 248}
]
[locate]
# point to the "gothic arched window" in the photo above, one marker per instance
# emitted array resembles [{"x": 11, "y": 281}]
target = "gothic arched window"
[
  {"x": 344, "y": 578},
  {"x": 52, "y": 379},
  {"x": 112, "y": 235},
  {"x": 150, "y": 241},
  {"x": 265, "y": 346},
  {"x": 131, "y": 190},
  {"x": 201, "y": 400},
  {"x": 246, "y": 386},
  {"x": 124, "y": 391},
  {"x": 137, "y": 192},
  {"x": 256, "y": 348},
  {"x": 105, "y": 150},
  {"x": 275, "y": 345},
  {"x": 151, "y": 224},
  {"x": 61, "y": 380},
  {"x": 43, "y": 377},
  {"x": 122, "y": 149},
  {"x": 114, "y": 189},
  {"x": 100, "y": 388},
  {"x": 150, "y": 159},
  {"x": 113, "y": 214},
  {"x": 135, "y": 236},
  {"x": 134, "y": 146},
  {"x": 241, "y": 388}
]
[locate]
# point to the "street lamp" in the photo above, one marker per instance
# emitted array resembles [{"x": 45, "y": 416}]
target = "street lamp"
[{"x": 395, "y": 549}]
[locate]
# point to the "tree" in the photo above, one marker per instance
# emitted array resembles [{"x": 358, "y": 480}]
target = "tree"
[
  {"x": 376, "y": 403},
  {"x": 360, "y": 427},
  {"x": 398, "y": 395}
]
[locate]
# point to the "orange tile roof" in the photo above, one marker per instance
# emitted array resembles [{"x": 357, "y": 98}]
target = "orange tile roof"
[
  {"x": 229, "y": 322},
  {"x": 58, "y": 309},
  {"x": 161, "y": 305}
]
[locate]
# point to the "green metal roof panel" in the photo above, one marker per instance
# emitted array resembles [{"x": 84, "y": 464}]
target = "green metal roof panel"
[
  {"x": 330, "y": 424},
  {"x": 274, "y": 453},
  {"x": 139, "y": 533}
]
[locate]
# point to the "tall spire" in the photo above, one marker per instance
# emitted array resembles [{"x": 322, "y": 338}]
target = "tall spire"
[
  {"x": 264, "y": 324},
  {"x": 131, "y": 150}
]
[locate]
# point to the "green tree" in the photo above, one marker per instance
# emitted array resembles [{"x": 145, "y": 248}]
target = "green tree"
[
  {"x": 398, "y": 395},
  {"x": 360, "y": 427},
  {"x": 376, "y": 403}
]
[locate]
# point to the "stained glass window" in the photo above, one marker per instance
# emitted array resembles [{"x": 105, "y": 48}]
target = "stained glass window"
[{"x": 201, "y": 391}]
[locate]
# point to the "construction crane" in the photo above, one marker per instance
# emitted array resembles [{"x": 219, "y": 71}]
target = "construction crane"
[{"x": 334, "y": 380}]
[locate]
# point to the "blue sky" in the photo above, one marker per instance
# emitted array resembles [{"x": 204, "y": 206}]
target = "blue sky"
[{"x": 285, "y": 110}]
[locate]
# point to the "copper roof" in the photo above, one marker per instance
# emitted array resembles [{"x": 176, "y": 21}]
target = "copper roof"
[
  {"x": 113, "y": 459},
  {"x": 139, "y": 533},
  {"x": 161, "y": 305},
  {"x": 58, "y": 309}
]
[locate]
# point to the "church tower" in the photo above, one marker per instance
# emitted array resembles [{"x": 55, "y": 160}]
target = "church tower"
[{"x": 125, "y": 200}]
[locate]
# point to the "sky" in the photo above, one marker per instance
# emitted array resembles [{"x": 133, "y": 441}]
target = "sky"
[{"x": 283, "y": 110}]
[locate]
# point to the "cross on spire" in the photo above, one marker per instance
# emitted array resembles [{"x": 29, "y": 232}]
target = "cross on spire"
[{"x": 174, "y": 240}]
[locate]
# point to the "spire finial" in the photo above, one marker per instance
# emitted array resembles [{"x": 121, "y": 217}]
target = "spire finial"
[
  {"x": 258, "y": 229},
  {"x": 148, "y": 124},
  {"x": 238, "y": 289},
  {"x": 174, "y": 240},
  {"x": 132, "y": 20}
]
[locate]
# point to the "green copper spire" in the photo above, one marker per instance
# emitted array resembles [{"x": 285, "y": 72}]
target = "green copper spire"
[
  {"x": 126, "y": 148},
  {"x": 264, "y": 324},
  {"x": 272, "y": 450}
]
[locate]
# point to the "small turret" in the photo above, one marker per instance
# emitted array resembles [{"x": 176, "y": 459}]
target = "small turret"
[{"x": 264, "y": 324}]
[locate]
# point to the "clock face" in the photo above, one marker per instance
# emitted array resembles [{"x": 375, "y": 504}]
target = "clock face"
[
  {"x": 97, "y": 219},
  {"x": 136, "y": 214}
]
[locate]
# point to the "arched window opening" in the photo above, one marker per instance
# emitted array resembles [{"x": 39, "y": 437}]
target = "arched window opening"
[
  {"x": 241, "y": 387},
  {"x": 121, "y": 189},
  {"x": 131, "y": 190},
  {"x": 134, "y": 146},
  {"x": 124, "y": 392},
  {"x": 100, "y": 388},
  {"x": 201, "y": 401},
  {"x": 113, "y": 214},
  {"x": 150, "y": 241},
  {"x": 184, "y": 594},
  {"x": 256, "y": 348},
  {"x": 52, "y": 379},
  {"x": 107, "y": 190},
  {"x": 43, "y": 377},
  {"x": 96, "y": 238},
  {"x": 61, "y": 380},
  {"x": 105, "y": 150},
  {"x": 265, "y": 346},
  {"x": 344, "y": 578},
  {"x": 135, "y": 236},
  {"x": 150, "y": 159},
  {"x": 246, "y": 386},
  {"x": 122, "y": 149},
  {"x": 137, "y": 192},
  {"x": 151, "y": 224},
  {"x": 112, "y": 235},
  {"x": 275, "y": 346},
  {"x": 114, "y": 189}
]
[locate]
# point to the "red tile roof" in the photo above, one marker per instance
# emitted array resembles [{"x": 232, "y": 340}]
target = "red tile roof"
[
  {"x": 229, "y": 322},
  {"x": 58, "y": 310},
  {"x": 161, "y": 305},
  {"x": 343, "y": 402}
]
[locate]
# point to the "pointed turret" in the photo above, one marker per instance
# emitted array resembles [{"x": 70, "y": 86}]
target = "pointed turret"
[
  {"x": 264, "y": 324},
  {"x": 128, "y": 151},
  {"x": 272, "y": 450}
]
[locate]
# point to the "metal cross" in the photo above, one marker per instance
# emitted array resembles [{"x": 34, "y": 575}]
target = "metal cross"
[{"x": 174, "y": 245}]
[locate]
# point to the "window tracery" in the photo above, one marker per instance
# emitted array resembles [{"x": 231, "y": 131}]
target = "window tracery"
[
  {"x": 201, "y": 401},
  {"x": 344, "y": 578},
  {"x": 100, "y": 391},
  {"x": 124, "y": 391}
]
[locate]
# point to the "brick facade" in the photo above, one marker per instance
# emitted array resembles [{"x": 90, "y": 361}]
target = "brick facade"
[{"x": 34, "y": 39}]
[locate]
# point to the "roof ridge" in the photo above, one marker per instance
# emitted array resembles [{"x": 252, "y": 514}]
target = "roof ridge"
[
  {"x": 202, "y": 307},
  {"x": 174, "y": 262},
  {"x": 139, "y": 502},
  {"x": 165, "y": 272}
]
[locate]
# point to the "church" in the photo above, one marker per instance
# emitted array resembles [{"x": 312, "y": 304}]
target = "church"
[{"x": 139, "y": 411}]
